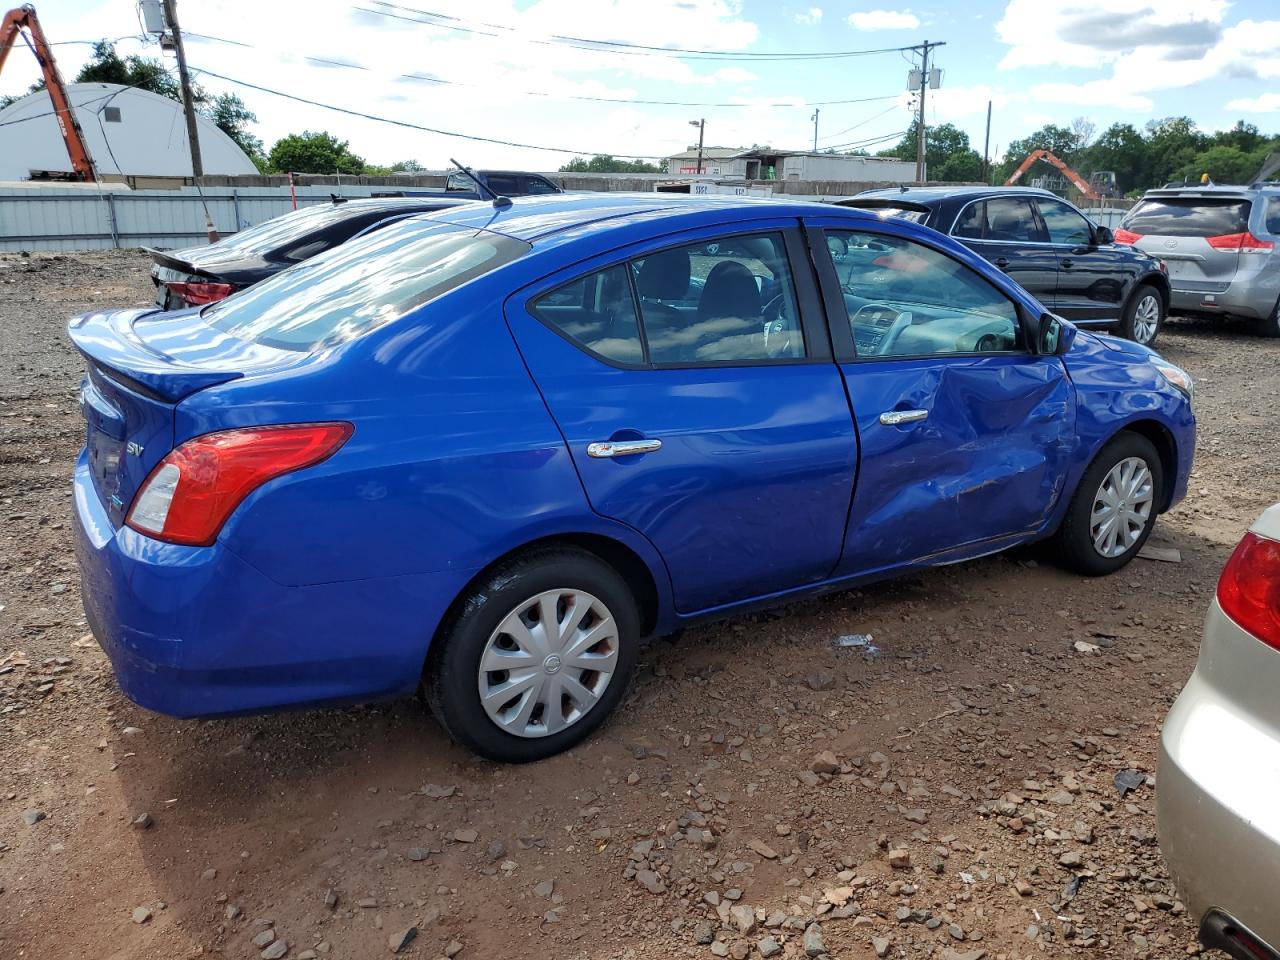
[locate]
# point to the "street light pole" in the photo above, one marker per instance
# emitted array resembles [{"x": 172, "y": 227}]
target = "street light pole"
[
  {"x": 702, "y": 129},
  {"x": 814, "y": 118}
]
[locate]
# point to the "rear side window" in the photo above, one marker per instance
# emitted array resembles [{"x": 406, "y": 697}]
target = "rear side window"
[
  {"x": 1273, "y": 216},
  {"x": 361, "y": 285},
  {"x": 1012, "y": 219},
  {"x": 1189, "y": 217},
  {"x": 596, "y": 312}
]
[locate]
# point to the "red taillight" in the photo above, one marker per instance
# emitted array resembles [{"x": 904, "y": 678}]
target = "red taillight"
[
  {"x": 1126, "y": 236},
  {"x": 1249, "y": 589},
  {"x": 196, "y": 294},
  {"x": 191, "y": 492},
  {"x": 1244, "y": 242}
]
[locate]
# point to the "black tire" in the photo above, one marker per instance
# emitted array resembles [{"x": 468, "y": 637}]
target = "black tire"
[
  {"x": 1127, "y": 327},
  {"x": 1269, "y": 327},
  {"x": 451, "y": 678},
  {"x": 1074, "y": 538}
]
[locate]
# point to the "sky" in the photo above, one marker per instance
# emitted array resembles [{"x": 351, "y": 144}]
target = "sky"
[{"x": 497, "y": 69}]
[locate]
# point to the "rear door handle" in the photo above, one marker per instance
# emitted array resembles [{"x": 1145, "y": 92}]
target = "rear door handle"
[
  {"x": 894, "y": 418},
  {"x": 1001, "y": 262},
  {"x": 608, "y": 449},
  {"x": 1066, "y": 263}
]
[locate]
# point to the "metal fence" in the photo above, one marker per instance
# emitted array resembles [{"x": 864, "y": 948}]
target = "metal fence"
[{"x": 84, "y": 219}]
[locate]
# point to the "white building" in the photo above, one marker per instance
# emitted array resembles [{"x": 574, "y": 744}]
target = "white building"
[
  {"x": 129, "y": 132},
  {"x": 791, "y": 165}
]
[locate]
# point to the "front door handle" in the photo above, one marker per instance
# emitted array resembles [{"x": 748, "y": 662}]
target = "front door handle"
[
  {"x": 1066, "y": 263},
  {"x": 894, "y": 418},
  {"x": 1001, "y": 262},
  {"x": 608, "y": 449}
]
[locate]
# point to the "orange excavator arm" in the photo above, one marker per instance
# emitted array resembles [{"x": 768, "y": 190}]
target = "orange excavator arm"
[
  {"x": 14, "y": 23},
  {"x": 1079, "y": 182}
]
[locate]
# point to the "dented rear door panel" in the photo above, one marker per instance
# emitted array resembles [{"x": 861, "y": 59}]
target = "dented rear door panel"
[{"x": 986, "y": 464}]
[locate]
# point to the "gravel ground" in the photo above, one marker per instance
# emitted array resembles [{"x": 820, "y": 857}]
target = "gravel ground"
[{"x": 761, "y": 792}]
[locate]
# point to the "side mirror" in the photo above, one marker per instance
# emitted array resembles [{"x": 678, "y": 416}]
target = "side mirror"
[
  {"x": 1103, "y": 236},
  {"x": 1054, "y": 336}
]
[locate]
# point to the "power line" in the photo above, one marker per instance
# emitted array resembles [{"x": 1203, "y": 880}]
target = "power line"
[
  {"x": 861, "y": 123},
  {"x": 446, "y": 22},
  {"x": 424, "y": 78},
  {"x": 418, "y": 126},
  {"x": 871, "y": 141}
]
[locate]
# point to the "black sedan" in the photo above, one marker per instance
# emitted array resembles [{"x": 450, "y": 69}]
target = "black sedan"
[
  {"x": 200, "y": 275},
  {"x": 1069, "y": 263}
]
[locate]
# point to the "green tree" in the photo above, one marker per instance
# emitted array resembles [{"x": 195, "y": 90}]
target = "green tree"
[
  {"x": 407, "y": 166},
  {"x": 106, "y": 66},
  {"x": 603, "y": 163},
  {"x": 947, "y": 153},
  {"x": 1172, "y": 145},
  {"x": 309, "y": 152},
  {"x": 232, "y": 117},
  {"x": 1060, "y": 141},
  {"x": 1121, "y": 149}
]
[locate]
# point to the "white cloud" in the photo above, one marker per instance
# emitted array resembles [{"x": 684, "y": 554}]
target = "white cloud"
[
  {"x": 884, "y": 20},
  {"x": 811, "y": 16},
  {"x": 1266, "y": 103},
  {"x": 1096, "y": 93}
]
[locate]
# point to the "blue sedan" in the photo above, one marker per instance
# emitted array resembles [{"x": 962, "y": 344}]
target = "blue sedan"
[{"x": 485, "y": 451}]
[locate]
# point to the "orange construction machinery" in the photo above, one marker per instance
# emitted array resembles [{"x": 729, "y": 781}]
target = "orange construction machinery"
[
  {"x": 1086, "y": 188},
  {"x": 22, "y": 22}
]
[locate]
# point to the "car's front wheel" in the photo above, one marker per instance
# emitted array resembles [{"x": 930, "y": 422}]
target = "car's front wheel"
[
  {"x": 536, "y": 657},
  {"x": 1114, "y": 507},
  {"x": 1143, "y": 316}
]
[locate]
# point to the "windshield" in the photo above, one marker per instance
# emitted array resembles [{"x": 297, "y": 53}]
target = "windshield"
[
  {"x": 1189, "y": 217},
  {"x": 361, "y": 285},
  {"x": 277, "y": 232}
]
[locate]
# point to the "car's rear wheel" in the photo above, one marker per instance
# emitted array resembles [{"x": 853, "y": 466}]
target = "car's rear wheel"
[
  {"x": 536, "y": 657},
  {"x": 1114, "y": 507},
  {"x": 1143, "y": 316}
]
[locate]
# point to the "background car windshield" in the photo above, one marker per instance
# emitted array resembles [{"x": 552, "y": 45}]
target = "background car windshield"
[
  {"x": 1189, "y": 217},
  {"x": 361, "y": 285},
  {"x": 280, "y": 230}
]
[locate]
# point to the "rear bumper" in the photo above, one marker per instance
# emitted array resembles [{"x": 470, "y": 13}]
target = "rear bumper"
[
  {"x": 1254, "y": 297},
  {"x": 197, "y": 631},
  {"x": 1219, "y": 777}
]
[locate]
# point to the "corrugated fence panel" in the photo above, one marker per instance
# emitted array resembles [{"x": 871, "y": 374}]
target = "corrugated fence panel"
[{"x": 55, "y": 218}]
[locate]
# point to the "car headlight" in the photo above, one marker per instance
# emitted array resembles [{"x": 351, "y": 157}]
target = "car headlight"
[{"x": 1178, "y": 377}]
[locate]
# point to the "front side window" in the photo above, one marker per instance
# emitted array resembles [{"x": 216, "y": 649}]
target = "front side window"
[
  {"x": 908, "y": 300},
  {"x": 361, "y": 285},
  {"x": 1065, "y": 225}
]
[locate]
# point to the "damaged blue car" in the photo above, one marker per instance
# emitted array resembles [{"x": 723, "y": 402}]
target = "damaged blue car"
[{"x": 483, "y": 452}]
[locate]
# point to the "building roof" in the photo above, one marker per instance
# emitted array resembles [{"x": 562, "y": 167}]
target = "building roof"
[
  {"x": 714, "y": 153},
  {"x": 128, "y": 131}
]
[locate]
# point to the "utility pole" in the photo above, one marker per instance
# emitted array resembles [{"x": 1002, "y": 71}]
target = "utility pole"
[
  {"x": 702, "y": 129},
  {"x": 924, "y": 85},
  {"x": 189, "y": 108},
  {"x": 814, "y": 118},
  {"x": 986, "y": 149}
]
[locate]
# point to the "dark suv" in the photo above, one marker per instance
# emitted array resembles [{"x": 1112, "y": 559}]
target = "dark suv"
[{"x": 1069, "y": 263}]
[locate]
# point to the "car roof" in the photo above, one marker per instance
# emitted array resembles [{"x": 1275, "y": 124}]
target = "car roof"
[
  {"x": 360, "y": 204},
  {"x": 1214, "y": 190},
  {"x": 541, "y": 217},
  {"x": 932, "y": 195}
]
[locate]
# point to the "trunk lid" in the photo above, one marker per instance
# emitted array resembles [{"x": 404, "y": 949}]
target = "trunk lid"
[
  {"x": 1179, "y": 230},
  {"x": 140, "y": 366}
]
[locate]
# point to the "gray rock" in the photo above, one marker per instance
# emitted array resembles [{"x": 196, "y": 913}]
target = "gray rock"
[
  {"x": 141, "y": 914},
  {"x": 881, "y": 946},
  {"x": 704, "y": 932},
  {"x": 956, "y": 931},
  {"x": 821, "y": 680},
  {"x": 650, "y": 881},
  {"x": 545, "y": 889},
  {"x": 437, "y": 792},
  {"x": 1071, "y": 858},
  {"x": 743, "y": 917},
  {"x": 265, "y": 937},
  {"x": 813, "y": 945},
  {"x": 497, "y": 850},
  {"x": 275, "y": 951},
  {"x": 232, "y": 912},
  {"x": 768, "y": 947},
  {"x": 398, "y": 941},
  {"x": 417, "y": 854},
  {"x": 331, "y": 898},
  {"x": 32, "y": 817},
  {"x": 143, "y": 821}
]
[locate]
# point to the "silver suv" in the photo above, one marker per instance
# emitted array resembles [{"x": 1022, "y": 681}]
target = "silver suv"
[{"x": 1220, "y": 245}]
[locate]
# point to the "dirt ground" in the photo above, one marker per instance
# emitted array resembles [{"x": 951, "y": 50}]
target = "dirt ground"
[{"x": 968, "y": 809}]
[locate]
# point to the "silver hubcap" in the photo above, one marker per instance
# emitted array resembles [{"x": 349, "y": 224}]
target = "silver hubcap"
[
  {"x": 548, "y": 663},
  {"x": 1122, "y": 507},
  {"x": 1146, "y": 318}
]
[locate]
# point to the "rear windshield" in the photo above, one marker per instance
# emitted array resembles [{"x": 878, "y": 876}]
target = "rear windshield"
[
  {"x": 361, "y": 285},
  {"x": 281, "y": 230},
  {"x": 914, "y": 216},
  {"x": 1189, "y": 217}
]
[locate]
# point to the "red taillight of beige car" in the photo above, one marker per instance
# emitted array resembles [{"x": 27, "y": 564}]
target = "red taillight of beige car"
[
  {"x": 197, "y": 294},
  {"x": 1249, "y": 589},
  {"x": 191, "y": 492}
]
